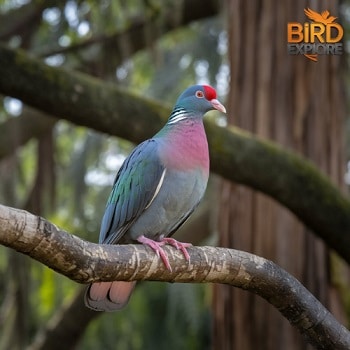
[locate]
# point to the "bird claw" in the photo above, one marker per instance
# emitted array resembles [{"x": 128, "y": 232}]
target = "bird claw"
[
  {"x": 178, "y": 245},
  {"x": 157, "y": 248}
]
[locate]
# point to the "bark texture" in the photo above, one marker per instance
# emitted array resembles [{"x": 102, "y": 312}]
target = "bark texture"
[
  {"x": 86, "y": 262},
  {"x": 299, "y": 104}
]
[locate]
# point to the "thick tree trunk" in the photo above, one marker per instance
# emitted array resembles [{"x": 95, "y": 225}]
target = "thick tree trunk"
[{"x": 300, "y": 104}]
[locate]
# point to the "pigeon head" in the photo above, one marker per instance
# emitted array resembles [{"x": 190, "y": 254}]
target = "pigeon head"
[{"x": 200, "y": 99}]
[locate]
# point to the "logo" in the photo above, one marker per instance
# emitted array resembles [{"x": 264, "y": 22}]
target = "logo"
[{"x": 321, "y": 36}]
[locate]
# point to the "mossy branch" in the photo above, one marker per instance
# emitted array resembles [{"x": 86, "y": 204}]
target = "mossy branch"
[
  {"x": 236, "y": 155},
  {"x": 86, "y": 262}
]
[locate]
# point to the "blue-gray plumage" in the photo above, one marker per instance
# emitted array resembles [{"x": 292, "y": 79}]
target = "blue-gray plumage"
[
  {"x": 133, "y": 189},
  {"x": 156, "y": 189}
]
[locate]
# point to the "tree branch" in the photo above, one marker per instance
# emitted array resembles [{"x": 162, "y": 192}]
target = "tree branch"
[
  {"x": 16, "y": 21},
  {"x": 86, "y": 262},
  {"x": 134, "y": 38},
  {"x": 236, "y": 155}
]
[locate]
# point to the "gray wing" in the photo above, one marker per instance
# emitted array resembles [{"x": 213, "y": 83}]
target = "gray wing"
[{"x": 135, "y": 187}]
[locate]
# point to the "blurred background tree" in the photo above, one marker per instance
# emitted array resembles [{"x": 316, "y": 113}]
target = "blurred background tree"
[
  {"x": 300, "y": 105},
  {"x": 64, "y": 172}
]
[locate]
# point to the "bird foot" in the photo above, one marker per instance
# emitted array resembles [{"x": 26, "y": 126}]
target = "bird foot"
[
  {"x": 157, "y": 247},
  {"x": 178, "y": 245}
]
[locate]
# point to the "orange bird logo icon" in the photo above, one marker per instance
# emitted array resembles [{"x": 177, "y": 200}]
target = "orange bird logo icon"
[{"x": 322, "y": 17}]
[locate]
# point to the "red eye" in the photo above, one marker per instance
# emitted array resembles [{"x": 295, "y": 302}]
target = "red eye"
[{"x": 199, "y": 94}]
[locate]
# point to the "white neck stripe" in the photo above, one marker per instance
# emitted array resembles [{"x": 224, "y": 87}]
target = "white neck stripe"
[{"x": 177, "y": 115}]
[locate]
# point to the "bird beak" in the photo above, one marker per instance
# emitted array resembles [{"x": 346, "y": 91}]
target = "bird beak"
[{"x": 217, "y": 105}]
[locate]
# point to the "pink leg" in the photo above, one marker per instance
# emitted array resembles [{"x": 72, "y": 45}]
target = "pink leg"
[
  {"x": 178, "y": 245},
  {"x": 157, "y": 247}
]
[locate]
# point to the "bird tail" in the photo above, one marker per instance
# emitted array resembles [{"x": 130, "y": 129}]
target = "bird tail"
[{"x": 108, "y": 296}]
